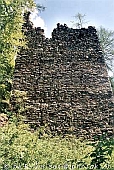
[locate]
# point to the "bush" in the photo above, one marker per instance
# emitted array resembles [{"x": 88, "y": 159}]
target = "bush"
[{"x": 22, "y": 149}]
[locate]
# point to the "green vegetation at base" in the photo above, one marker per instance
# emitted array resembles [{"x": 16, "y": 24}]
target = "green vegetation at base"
[
  {"x": 12, "y": 40},
  {"x": 22, "y": 149}
]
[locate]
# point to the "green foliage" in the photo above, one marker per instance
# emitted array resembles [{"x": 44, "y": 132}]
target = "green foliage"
[
  {"x": 106, "y": 38},
  {"x": 112, "y": 83},
  {"x": 101, "y": 155},
  {"x": 20, "y": 148},
  {"x": 19, "y": 98},
  {"x": 11, "y": 39}
]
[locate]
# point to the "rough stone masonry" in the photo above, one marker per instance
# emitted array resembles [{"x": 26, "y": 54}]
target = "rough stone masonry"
[{"x": 66, "y": 81}]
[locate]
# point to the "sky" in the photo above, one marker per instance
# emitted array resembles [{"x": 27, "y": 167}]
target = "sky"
[{"x": 98, "y": 13}]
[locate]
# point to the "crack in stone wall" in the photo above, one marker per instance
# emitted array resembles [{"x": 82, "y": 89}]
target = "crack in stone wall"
[{"x": 66, "y": 81}]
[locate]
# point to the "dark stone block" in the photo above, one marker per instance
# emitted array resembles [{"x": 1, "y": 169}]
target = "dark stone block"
[{"x": 66, "y": 81}]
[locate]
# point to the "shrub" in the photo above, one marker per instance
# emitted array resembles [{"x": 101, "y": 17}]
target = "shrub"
[{"x": 22, "y": 149}]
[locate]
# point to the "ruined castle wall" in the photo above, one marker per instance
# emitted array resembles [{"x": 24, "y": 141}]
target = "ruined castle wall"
[{"x": 66, "y": 81}]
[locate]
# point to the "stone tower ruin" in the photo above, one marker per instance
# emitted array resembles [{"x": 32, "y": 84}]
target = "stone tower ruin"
[{"x": 66, "y": 81}]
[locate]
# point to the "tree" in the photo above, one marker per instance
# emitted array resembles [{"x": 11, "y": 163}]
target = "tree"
[
  {"x": 106, "y": 38},
  {"x": 112, "y": 83},
  {"x": 11, "y": 38},
  {"x": 79, "y": 21}
]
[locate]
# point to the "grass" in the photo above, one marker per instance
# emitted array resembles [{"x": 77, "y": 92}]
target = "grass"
[{"x": 22, "y": 149}]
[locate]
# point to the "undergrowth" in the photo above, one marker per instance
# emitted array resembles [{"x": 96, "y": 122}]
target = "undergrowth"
[{"x": 22, "y": 149}]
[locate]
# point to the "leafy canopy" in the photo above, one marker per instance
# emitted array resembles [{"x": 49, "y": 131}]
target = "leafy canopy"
[
  {"x": 106, "y": 38},
  {"x": 11, "y": 38}
]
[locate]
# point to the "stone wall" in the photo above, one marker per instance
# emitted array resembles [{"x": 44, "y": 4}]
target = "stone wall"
[{"x": 66, "y": 81}]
